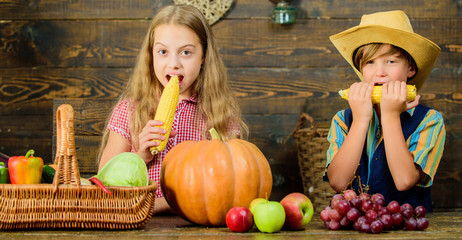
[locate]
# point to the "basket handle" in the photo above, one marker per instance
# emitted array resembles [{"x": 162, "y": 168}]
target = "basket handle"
[
  {"x": 300, "y": 123},
  {"x": 65, "y": 131},
  {"x": 68, "y": 169}
]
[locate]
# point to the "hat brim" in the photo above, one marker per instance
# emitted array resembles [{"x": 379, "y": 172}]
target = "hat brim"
[{"x": 423, "y": 51}]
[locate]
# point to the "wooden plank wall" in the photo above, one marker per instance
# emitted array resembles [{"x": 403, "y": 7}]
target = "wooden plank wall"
[{"x": 86, "y": 50}]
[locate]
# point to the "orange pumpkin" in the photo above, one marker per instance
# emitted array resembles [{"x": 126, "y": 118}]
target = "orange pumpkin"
[{"x": 202, "y": 180}]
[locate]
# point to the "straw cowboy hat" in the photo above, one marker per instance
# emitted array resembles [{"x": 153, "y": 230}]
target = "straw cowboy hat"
[{"x": 392, "y": 27}]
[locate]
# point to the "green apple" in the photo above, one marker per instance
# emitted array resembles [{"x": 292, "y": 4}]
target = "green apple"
[
  {"x": 254, "y": 203},
  {"x": 269, "y": 216}
]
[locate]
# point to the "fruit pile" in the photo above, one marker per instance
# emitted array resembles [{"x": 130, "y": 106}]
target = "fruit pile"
[
  {"x": 369, "y": 214},
  {"x": 293, "y": 212}
]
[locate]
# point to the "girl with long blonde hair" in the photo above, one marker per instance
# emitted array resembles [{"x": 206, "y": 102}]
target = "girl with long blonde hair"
[{"x": 180, "y": 42}]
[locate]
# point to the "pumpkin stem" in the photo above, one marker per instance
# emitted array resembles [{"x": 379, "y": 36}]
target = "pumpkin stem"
[{"x": 213, "y": 132}]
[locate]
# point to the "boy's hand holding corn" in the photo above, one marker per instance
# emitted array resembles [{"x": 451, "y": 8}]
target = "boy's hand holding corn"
[{"x": 377, "y": 93}]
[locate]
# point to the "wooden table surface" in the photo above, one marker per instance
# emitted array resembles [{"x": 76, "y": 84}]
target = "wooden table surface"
[{"x": 443, "y": 225}]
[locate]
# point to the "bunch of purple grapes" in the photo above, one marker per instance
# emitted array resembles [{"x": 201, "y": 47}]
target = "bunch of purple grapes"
[{"x": 369, "y": 214}]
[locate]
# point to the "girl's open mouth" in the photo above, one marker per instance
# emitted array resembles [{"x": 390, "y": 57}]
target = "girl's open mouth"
[{"x": 180, "y": 78}]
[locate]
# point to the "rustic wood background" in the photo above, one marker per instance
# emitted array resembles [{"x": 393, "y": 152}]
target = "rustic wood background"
[{"x": 83, "y": 52}]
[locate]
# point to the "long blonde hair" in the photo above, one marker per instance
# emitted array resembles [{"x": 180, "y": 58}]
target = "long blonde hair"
[{"x": 216, "y": 101}]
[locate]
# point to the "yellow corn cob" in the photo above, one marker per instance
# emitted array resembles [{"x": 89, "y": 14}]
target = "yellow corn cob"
[
  {"x": 166, "y": 111},
  {"x": 377, "y": 93}
]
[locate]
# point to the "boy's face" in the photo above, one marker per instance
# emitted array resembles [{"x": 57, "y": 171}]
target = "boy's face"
[
  {"x": 177, "y": 50},
  {"x": 385, "y": 67}
]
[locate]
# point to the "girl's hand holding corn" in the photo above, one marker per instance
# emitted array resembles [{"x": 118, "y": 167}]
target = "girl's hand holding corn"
[
  {"x": 152, "y": 131},
  {"x": 166, "y": 112}
]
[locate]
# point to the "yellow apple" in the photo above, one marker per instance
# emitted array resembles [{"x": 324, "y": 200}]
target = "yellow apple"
[{"x": 254, "y": 203}]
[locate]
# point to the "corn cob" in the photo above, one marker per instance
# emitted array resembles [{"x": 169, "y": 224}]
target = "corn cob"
[
  {"x": 377, "y": 93},
  {"x": 166, "y": 111}
]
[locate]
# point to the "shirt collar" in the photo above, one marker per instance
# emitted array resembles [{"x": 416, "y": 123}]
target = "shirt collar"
[
  {"x": 411, "y": 111},
  {"x": 192, "y": 99}
]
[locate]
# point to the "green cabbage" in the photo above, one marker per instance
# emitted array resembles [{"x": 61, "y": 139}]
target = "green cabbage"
[{"x": 124, "y": 169}]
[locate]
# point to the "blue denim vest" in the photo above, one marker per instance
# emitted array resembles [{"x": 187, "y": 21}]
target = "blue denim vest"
[{"x": 380, "y": 179}]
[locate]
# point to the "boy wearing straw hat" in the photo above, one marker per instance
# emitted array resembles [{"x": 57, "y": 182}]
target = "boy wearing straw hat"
[{"x": 393, "y": 147}]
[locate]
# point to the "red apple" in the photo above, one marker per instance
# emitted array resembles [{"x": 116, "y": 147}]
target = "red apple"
[
  {"x": 299, "y": 211},
  {"x": 239, "y": 219}
]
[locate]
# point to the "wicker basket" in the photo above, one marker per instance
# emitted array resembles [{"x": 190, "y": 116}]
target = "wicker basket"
[
  {"x": 67, "y": 204},
  {"x": 312, "y": 146}
]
